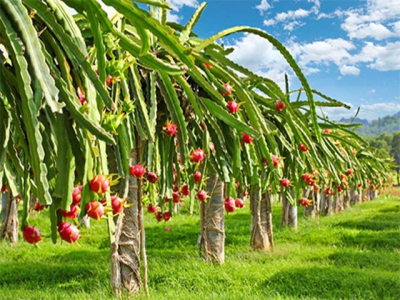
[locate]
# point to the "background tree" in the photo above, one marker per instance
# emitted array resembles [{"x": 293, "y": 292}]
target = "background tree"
[
  {"x": 76, "y": 88},
  {"x": 395, "y": 153}
]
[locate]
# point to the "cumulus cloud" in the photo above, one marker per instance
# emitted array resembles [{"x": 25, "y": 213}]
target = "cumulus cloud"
[
  {"x": 290, "y": 19},
  {"x": 396, "y": 27},
  {"x": 261, "y": 57},
  {"x": 269, "y": 22},
  {"x": 346, "y": 55},
  {"x": 255, "y": 53},
  {"x": 316, "y": 2},
  {"x": 382, "y": 10},
  {"x": 336, "y": 113},
  {"x": 325, "y": 16},
  {"x": 175, "y": 4},
  {"x": 373, "y": 21},
  {"x": 173, "y": 17},
  {"x": 108, "y": 9},
  {"x": 322, "y": 52},
  {"x": 263, "y": 6},
  {"x": 349, "y": 70},
  {"x": 384, "y": 57},
  {"x": 292, "y": 14},
  {"x": 277, "y": 74},
  {"x": 367, "y": 111},
  {"x": 292, "y": 25},
  {"x": 378, "y": 110},
  {"x": 364, "y": 30},
  {"x": 178, "y": 4},
  {"x": 312, "y": 57}
]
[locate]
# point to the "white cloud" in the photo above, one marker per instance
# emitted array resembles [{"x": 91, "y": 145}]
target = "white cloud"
[
  {"x": 256, "y": 53},
  {"x": 345, "y": 55},
  {"x": 178, "y": 4},
  {"x": 325, "y": 16},
  {"x": 396, "y": 27},
  {"x": 322, "y": 52},
  {"x": 372, "y": 30},
  {"x": 269, "y": 22},
  {"x": 263, "y": 6},
  {"x": 366, "y": 54},
  {"x": 336, "y": 113},
  {"x": 261, "y": 57},
  {"x": 382, "y": 10},
  {"x": 316, "y": 3},
  {"x": 310, "y": 70},
  {"x": 291, "y": 17},
  {"x": 387, "y": 57},
  {"x": 349, "y": 70},
  {"x": 375, "y": 11},
  {"x": 108, "y": 9},
  {"x": 380, "y": 57},
  {"x": 277, "y": 74},
  {"x": 378, "y": 110},
  {"x": 372, "y": 21},
  {"x": 292, "y": 14},
  {"x": 340, "y": 52},
  {"x": 292, "y": 25},
  {"x": 367, "y": 111},
  {"x": 173, "y": 17}
]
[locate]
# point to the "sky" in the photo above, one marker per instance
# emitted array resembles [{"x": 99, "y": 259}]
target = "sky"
[{"x": 347, "y": 49}]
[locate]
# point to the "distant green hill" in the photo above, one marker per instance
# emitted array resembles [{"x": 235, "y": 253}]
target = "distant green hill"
[
  {"x": 355, "y": 121},
  {"x": 388, "y": 124}
]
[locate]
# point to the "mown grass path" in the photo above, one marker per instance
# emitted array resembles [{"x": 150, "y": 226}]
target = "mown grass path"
[{"x": 351, "y": 255}]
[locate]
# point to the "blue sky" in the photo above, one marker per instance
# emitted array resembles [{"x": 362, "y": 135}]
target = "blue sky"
[{"x": 348, "y": 49}]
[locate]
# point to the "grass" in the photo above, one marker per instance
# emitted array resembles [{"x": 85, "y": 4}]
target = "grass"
[{"x": 351, "y": 255}]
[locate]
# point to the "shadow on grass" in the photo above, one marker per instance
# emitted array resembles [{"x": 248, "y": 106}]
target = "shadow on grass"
[
  {"x": 158, "y": 236},
  {"x": 237, "y": 229},
  {"x": 379, "y": 231},
  {"x": 333, "y": 283},
  {"x": 377, "y": 240},
  {"x": 366, "y": 260},
  {"x": 377, "y": 222},
  {"x": 77, "y": 268}
]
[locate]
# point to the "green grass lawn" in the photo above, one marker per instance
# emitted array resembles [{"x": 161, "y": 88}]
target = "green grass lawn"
[{"x": 351, "y": 255}]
